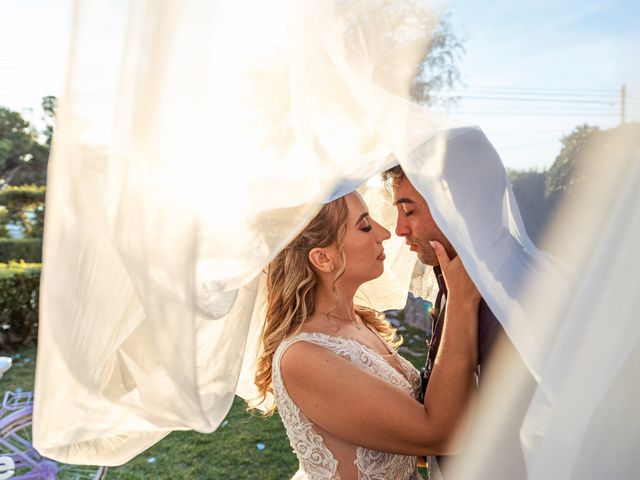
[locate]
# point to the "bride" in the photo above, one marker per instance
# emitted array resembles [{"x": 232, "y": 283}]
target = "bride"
[{"x": 345, "y": 396}]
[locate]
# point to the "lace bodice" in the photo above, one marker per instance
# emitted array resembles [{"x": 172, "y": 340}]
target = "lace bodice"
[{"x": 316, "y": 460}]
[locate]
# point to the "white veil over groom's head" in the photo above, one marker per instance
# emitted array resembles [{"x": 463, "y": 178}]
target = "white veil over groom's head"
[{"x": 203, "y": 140}]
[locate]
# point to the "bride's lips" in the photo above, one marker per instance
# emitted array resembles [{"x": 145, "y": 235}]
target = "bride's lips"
[{"x": 381, "y": 257}]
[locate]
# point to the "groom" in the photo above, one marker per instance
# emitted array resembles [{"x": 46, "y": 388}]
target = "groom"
[{"x": 417, "y": 226}]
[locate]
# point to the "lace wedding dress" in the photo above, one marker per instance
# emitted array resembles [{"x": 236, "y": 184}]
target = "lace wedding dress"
[{"x": 316, "y": 460}]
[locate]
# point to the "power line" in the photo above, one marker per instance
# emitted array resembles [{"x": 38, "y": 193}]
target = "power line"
[
  {"x": 539, "y": 114},
  {"x": 526, "y": 132},
  {"x": 544, "y": 89},
  {"x": 539, "y": 100},
  {"x": 535, "y": 94},
  {"x": 526, "y": 145}
]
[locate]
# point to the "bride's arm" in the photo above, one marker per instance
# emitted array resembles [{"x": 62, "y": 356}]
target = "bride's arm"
[{"x": 359, "y": 407}]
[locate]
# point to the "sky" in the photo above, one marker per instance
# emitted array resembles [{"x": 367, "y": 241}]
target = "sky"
[
  {"x": 535, "y": 70},
  {"x": 531, "y": 73}
]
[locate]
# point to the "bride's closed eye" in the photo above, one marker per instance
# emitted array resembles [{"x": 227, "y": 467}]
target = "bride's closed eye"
[{"x": 366, "y": 228}]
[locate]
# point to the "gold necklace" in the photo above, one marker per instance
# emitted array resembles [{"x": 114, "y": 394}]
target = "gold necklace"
[{"x": 354, "y": 320}]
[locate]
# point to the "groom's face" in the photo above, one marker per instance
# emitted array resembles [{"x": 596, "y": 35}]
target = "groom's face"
[{"x": 415, "y": 223}]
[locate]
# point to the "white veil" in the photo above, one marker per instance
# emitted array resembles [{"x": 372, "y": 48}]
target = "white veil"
[
  {"x": 192, "y": 145},
  {"x": 190, "y": 148}
]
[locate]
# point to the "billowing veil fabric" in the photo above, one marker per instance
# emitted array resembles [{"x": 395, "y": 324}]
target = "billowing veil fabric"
[
  {"x": 194, "y": 140},
  {"x": 582, "y": 420}
]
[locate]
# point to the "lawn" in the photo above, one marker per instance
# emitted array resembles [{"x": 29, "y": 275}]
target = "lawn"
[{"x": 244, "y": 447}]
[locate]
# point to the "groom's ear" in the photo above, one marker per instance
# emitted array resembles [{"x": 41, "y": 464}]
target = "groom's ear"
[{"x": 320, "y": 260}]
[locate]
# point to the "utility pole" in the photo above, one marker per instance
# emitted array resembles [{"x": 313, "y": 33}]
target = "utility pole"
[{"x": 623, "y": 102}]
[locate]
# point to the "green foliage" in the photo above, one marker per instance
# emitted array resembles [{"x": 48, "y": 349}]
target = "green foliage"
[
  {"x": 4, "y": 219},
  {"x": 438, "y": 70},
  {"x": 563, "y": 173},
  {"x": 23, "y": 159},
  {"x": 25, "y": 249},
  {"x": 583, "y": 159},
  {"x": 16, "y": 139},
  {"x": 23, "y": 206},
  {"x": 49, "y": 104},
  {"x": 19, "y": 292},
  {"x": 22, "y": 196},
  {"x": 585, "y": 155}
]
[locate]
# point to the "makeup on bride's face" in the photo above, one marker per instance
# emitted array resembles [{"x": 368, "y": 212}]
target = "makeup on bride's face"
[{"x": 363, "y": 247}]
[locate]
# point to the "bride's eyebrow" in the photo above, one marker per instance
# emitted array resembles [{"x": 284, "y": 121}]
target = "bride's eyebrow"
[{"x": 365, "y": 214}]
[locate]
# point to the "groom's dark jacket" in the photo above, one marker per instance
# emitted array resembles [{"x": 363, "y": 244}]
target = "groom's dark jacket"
[
  {"x": 511, "y": 464},
  {"x": 488, "y": 328}
]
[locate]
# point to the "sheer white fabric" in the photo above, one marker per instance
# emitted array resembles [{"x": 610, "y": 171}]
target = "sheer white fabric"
[
  {"x": 582, "y": 421},
  {"x": 193, "y": 141},
  {"x": 195, "y": 138},
  {"x": 316, "y": 460}
]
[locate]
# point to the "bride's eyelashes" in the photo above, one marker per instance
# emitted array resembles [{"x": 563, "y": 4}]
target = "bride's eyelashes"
[{"x": 366, "y": 228}]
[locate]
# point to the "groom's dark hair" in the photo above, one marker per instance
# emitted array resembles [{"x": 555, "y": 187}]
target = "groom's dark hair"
[{"x": 391, "y": 177}]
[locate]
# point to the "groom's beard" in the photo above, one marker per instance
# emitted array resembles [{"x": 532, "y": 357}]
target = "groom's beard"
[{"x": 428, "y": 258}]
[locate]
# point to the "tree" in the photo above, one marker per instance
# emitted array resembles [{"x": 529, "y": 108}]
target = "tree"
[
  {"x": 22, "y": 206},
  {"x": 397, "y": 33},
  {"x": 439, "y": 69},
  {"x": 582, "y": 162},
  {"x": 23, "y": 159},
  {"x": 16, "y": 140},
  {"x": 49, "y": 104},
  {"x": 563, "y": 174}
]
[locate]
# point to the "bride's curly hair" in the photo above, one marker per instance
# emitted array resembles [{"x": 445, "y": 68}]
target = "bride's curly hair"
[{"x": 291, "y": 286}]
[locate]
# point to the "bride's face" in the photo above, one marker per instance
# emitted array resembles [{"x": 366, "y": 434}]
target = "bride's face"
[{"x": 362, "y": 246}]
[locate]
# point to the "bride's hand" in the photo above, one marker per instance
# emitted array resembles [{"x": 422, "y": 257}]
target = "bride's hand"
[{"x": 460, "y": 287}]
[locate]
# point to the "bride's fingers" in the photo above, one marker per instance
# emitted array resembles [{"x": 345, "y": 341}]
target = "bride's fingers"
[{"x": 441, "y": 253}]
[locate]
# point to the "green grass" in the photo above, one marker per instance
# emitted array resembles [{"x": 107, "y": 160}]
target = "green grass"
[
  {"x": 414, "y": 347},
  {"x": 22, "y": 373},
  {"x": 229, "y": 453}
]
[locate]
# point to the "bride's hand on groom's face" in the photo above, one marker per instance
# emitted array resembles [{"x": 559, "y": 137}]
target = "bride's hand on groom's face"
[{"x": 460, "y": 287}]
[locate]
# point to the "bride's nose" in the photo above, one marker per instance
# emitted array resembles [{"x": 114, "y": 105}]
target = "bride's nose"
[{"x": 383, "y": 234}]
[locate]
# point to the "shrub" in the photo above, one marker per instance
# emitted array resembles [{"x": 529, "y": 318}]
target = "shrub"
[
  {"x": 19, "y": 292},
  {"x": 21, "y": 196},
  {"x": 22, "y": 206},
  {"x": 26, "y": 249}
]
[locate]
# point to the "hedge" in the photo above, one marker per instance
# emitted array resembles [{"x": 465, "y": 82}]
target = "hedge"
[
  {"x": 19, "y": 293},
  {"x": 26, "y": 249},
  {"x": 21, "y": 196},
  {"x": 22, "y": 205}
]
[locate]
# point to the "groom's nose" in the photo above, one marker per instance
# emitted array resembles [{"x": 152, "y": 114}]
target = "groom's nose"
[{"x": 402, "y": 227}]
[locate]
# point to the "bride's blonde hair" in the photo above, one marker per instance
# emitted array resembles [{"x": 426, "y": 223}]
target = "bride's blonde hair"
[{"x": 291, "y": 286}]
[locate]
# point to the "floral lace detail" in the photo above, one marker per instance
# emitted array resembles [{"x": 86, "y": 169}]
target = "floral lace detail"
[{"x": 316, "y": 460}]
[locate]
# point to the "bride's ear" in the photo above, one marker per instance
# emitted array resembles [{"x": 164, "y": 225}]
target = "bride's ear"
[{"x": 320, "y": 260}]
